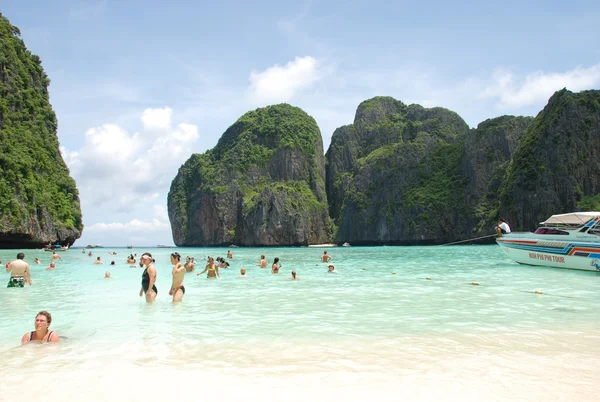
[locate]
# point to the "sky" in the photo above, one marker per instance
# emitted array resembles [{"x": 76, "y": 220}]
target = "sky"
[{"x": 138, "y": 86}]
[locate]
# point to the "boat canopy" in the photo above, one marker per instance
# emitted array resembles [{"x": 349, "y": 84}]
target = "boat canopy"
[{"x": 573, "y": 218}]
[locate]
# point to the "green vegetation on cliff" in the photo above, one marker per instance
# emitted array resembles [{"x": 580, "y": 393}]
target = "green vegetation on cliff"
[
  {"x": 33, "y": 175},
  {"x": 269, "y": 158}
]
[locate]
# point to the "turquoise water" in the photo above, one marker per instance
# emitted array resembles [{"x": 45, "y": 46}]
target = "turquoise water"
[{"x": 379, "y": 314}]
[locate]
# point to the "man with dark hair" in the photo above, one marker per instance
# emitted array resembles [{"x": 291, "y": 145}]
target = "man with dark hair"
[
  {"x": 19, "y": 272},
  {"x": 502, "y": 228}
]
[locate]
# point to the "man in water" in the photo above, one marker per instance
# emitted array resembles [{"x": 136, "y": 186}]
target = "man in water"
[
  {"x": 502, "y": 228},
  {"x": 52, "y": 266},
  {"x": 55, "y": 256},
  {"x": 242, "y": 273},
  {"x": 34, "y": 260},
  {"x": 229, "y": 254},
  {"x": 107, "y": 275},
  {"x": 325, "y": 257},
  {"x": 41, "y": 333},
  {"x": 294, "y": 277},
  {"x": 97, "y": 262},
  {"x": 331, "y": 269},
  {"x": 19, "y": 272},
  {"x": 263, "y": 262}
]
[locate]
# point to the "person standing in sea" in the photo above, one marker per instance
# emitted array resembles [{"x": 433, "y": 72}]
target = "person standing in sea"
[
  {"x": 325, "y": 257},
  {"x": 212, "y": 268},
  {"x": 177, "y": 289},
  {"x": 20, "y": 273},
  {"x": 276, "y": 266},
  {"x": 263, "y": 262},
  {"x": 148, "y": 278}
]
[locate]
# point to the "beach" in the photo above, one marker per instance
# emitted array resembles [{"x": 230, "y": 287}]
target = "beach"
[{"x": 384, "y": 332}]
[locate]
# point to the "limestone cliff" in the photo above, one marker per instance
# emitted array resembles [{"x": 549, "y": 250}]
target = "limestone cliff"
[
  {"x": 39, "y": 201},
  {"x": 394, "y": 176},
  {"x": 556, "y": 166},
  {"x": 263, "y": 184}
]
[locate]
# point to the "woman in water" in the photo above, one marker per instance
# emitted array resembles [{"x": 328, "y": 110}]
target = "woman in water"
[
  {"x": 212, "y": 268},
  {"x": 41, "y": 334},
  {"x": 276, "y": 265},
  {"x": 148, "y": 278},
  {"x": 177, "y": 289}
]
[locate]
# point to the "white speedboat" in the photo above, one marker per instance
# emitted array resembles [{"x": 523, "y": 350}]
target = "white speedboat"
[{"x": 569, "y": 241}]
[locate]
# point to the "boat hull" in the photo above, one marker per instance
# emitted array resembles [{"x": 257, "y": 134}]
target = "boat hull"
[{"x": 584, "y": 256}]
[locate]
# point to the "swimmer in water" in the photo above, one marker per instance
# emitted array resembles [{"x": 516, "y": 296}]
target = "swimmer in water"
[
  {"x": 276, "y": 266},
  {"x": 177, "y": 289},
  {"x": 52, "y": 266},
  {"x": 294, "y": 277},
  {"x": 263, "y": 262},
  {"x": 211, "y": 268},
  {"x": 331, "y": 269},
  {"x": 41, "y": 334},
  {"x": 325, "y": 257},
  {"x": 242, "y": 273},
  {"x": 229, "y": 254},
  {"x": 148, "y": 278},
  {"x": 34, "y": 260},
  {"x": 107, "y": 275},
  {"x": 20, "y": 274},
  {"x": 189, "y": 265}
]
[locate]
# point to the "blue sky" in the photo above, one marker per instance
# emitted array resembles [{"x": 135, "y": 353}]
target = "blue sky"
[{"x": 140, "y": 85}]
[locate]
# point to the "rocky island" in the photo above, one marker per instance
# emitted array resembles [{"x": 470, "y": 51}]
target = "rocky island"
[
  {"x": 262, "y": 184},
  {"x": 39, "y": 201}
]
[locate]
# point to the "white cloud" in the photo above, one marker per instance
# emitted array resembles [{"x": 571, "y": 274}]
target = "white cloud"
[
  {"x": 512, "y": 91},
  {"x": 120, "y": 171},
  {"x": 281, "y": 83},
  {"x": 157, "y": 119},
  {"x": 133, "y": 226}
]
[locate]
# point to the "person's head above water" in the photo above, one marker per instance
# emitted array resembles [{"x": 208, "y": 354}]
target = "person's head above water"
[
  {"x": 243, "y": 271},
  {"x": 20, "y": 256},
  {"x": 294, "y": 274},
  {"x": 107, "y": 274},
  {"x": 146, "y": 259},
  {"x": 43, "y": 319},
  {"x": 176, "y": 257}
]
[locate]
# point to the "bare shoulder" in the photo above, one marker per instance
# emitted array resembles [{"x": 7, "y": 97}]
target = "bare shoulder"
[
  {"x": 25, "y": 338},
  {"x": 54, "y": 337}
]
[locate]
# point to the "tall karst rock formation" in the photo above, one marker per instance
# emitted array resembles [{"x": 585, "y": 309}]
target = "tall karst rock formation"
[
  {"x": 405, "y": 174},
  {"x": 263, "y": 184},
  {"x": 39, "y": 201},
  {"x": 556, "y": 167}
]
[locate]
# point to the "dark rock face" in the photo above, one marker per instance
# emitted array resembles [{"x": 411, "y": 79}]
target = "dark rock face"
[
  {"x": 263, "y": 184},
  {"x": 488, "y": 151},
  {"x": 556, "y": 167},
  {"x": 39, "y": 201},
  {"x": 394, "y": 175}
]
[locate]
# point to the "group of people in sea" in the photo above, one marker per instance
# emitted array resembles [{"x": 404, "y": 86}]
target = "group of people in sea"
[{"x": 21, "y": 275}]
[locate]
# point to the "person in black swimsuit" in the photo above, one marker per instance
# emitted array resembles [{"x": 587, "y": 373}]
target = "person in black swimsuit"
[
  {"x": 41, "y": 333},
  {"x": 148, "y": 278}
]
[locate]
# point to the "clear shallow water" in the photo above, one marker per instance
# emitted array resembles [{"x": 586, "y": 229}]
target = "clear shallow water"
[{"x": 363, "y": 330}]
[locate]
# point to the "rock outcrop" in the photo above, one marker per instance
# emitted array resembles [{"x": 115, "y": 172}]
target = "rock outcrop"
[
  {"x": 39, "y": 201},
  {"x": 263, "y": 184},
  {"x": 488, "y": 150},
  {"x": 394, "y": 175},
  {"x": 556, "y": 166}
]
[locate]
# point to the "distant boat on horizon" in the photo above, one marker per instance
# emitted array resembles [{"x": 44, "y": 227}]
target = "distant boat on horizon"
[{"x": 163, "y": 246}]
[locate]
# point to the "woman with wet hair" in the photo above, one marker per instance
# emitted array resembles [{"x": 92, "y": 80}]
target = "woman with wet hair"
[{"x": 148, "y": 278}]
